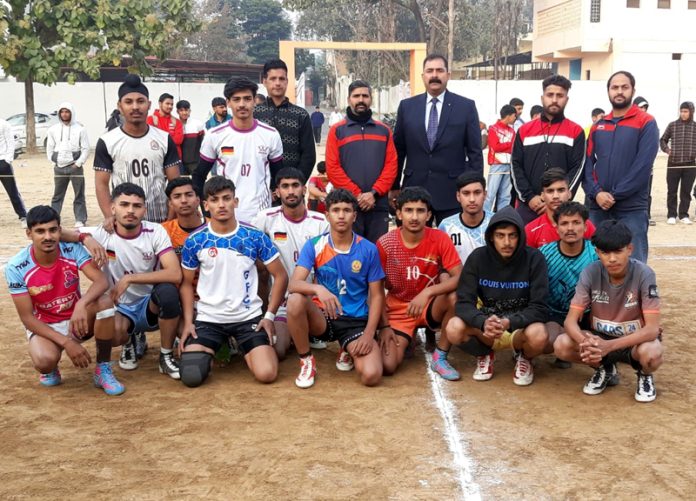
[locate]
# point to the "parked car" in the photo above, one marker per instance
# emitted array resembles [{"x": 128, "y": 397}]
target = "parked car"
[{"x": 42, "y": 122}]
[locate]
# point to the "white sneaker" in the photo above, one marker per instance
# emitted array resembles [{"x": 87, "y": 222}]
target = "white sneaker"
[
  {"x": 685, "y": 220},
  {"x": 307, "y": 372},
  {"x": 645, "y": 389},
  {"x": 79, "y": 224},
  {"x": 484, "y": 367},
  {"x": 671, "y": 220},
  {"x": 317, "y": 344},
  {"x": 524, "y": 371},
  {"x": 344, "y": 362},
  {"x": 128, "y": 361}
]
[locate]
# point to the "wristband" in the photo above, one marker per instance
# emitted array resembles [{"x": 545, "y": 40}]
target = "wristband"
[
  {"x": 269, "y": 316},
  {"x": 83, "y": 237}
]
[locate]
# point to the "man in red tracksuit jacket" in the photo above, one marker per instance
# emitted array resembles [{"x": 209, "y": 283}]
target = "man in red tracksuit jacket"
[
  {"x": 163, "y": 119},
  {"x": 501, "y": 137},
  {"x": 361, "y": 157}
]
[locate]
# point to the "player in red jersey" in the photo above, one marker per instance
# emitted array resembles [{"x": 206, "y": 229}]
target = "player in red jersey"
[{"x": 413, "y": 258}]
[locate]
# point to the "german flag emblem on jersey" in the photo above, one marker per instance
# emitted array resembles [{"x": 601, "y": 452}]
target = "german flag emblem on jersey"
[
  {"x": 227, "y": 150},
  {"x": 280, "y": 236},
  {"x": 111, "y": 254}
]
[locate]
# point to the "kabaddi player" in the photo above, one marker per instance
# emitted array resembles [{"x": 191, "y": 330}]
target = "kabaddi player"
[
  {"x": 413, "y": 256},
  {"x": 345, "y": 304},
  {"x": 224, "y": 253},
  {"x": 289, "y": 227},
  {"x": 44, "y": 282},
  {"x": 501, "y": 300},
  {"x": 555, "y": 190},
  {"x": 624, "y": 304}
]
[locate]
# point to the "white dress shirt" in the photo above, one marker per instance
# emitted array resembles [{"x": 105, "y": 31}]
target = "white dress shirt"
[{"x": 7, "y": 142}]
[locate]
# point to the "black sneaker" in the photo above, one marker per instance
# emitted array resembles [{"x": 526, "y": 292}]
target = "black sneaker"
[
  {"x": 169, "y": 365},
  {"x": 128, "y": 361},
  {"x": 562, "y": 364},
  {"x": 645, "y": 387},
  {"x": 140, "y": 344},
  {"x": 612, "y": 375}
]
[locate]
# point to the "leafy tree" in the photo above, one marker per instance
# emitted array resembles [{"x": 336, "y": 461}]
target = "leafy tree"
[
  {"x": 41, "y": 38},
  {"x": 264, "y": 23}
]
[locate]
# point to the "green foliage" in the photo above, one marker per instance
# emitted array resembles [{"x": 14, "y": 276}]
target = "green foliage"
[{"x": 264, "y": 23}]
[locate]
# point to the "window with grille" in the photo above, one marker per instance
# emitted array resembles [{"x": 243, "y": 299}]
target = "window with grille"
[
  {"x": 633, "y": 4},
  {"x": 595, "y": 9},
  {"x": 663, "y": 4}
]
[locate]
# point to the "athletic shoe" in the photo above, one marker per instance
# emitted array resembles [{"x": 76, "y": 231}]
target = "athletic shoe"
[
  {"x": 79, "y": 224},
  {"x": 524, "y": 371},
  {"x": 140, "y": 344},
  {"x": 308, "y": 369},
  {"x": 104, "y": 378},
  {"x": 484, "y": 367},
  {"x": 23, "y": 222},
  {"x": 168, "y": 365},
  {"x": 53, "y": 378},
  {"x": 645, "y": 388},
  {"x": 317, "y": 344},
  {"x": 562, "y": 364},
  {"x": 671, "y": 220},
  {"x": 344, "y": 362},
  {"x": 440, "y": 365},
  {"x": 685, "y": 220},
  {"x": 602, "y": 377},
  {"x": 128, "y": 361}
]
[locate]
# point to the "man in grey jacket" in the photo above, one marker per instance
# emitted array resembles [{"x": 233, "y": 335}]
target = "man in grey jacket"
[{"x": 67, "y": 146}]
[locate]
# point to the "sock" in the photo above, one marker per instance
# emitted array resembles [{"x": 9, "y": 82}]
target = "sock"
[
  {"x": 103, "y": 350},
  {"x": 442, "y": 353},
  {"x": 305, "y": 355},
  {"x": 166, "y": 351}
]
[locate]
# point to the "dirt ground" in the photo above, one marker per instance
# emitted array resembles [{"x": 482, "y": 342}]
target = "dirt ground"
[{"x": 236, "y": 439}]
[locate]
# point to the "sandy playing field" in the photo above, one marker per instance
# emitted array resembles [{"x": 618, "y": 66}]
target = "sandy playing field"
[{"x": 414, "y": 437}]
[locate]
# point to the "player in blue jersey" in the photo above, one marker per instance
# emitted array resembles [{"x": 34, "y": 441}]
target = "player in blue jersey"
[
  {"x": 225, "y": 253},
  {"x": 565, "y": 259},
  {"x": 345, "y": 304}
]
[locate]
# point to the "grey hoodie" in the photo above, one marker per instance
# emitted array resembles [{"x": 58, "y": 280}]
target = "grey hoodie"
[{"x": 67, "y": 144}]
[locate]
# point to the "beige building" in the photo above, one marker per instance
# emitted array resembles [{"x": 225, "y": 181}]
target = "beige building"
[{"x": 590, "y": 39}]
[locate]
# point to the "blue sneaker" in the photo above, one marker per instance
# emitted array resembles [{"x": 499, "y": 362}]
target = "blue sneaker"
[
  {"x": 440, "y": 365},
  {"x": 53, "y": 378},
  {"x": 104, "y": 378}
]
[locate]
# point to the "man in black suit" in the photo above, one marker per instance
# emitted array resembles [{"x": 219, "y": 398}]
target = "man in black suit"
[{"x": 437, "y": 137}]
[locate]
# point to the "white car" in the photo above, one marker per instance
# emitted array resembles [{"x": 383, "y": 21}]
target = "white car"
[{"x": 42, "y": 123}]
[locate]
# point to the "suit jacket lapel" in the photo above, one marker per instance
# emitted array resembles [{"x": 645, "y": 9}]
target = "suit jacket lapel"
[
  {"x": 421, "y": 121},
  {"x": 444, "y": 117}
]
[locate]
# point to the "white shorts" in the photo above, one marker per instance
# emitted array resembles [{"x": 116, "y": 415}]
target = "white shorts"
[{"x": 59, "y": 327}]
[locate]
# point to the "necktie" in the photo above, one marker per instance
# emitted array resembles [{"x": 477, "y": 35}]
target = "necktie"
[{"x": 432, "y": 123}]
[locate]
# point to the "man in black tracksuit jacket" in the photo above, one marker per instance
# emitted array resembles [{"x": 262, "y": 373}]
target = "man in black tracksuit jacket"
[{"x": 501, "y": 300}]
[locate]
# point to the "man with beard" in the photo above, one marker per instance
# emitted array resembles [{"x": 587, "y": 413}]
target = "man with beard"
[
  {"x": 679, "y": 142},
  {"x": 289, "y": 227},
  {"x": 554, "y": 192},
  {"x": 621, "y": 150},
  {"x": 361, "y": 158},
  {"x": 135, "y": 153},
  {"x": 437, "y": 137},
  {"x": 550, "y": 141},
  {"x": 245, "y": 150},
  {"x": 292, "y": 122}
]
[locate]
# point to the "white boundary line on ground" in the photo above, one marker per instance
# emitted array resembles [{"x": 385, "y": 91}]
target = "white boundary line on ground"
[
  {"x": 673, "y": 258},
  {"x": 463, "y": 463}
]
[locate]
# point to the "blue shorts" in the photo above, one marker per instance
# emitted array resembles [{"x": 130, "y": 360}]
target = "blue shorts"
[{"x": 137, "y": 313}]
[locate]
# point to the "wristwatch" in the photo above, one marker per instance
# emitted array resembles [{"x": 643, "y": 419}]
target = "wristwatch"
[{"x": 374, "y": 193}]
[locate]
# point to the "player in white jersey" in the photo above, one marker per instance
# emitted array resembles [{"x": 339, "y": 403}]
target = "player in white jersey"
[
  {"x": 289, "y": 227},
  {"x": 135, "y": 153},
  {"x": 144, "y": 272},
  {"x": 225, "y": 253},
  {"x": 244, "y": 150},
  {"x": 468, "y": 228}
]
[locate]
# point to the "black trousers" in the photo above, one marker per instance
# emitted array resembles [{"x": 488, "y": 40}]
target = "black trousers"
[
  {"x": 372, "y": 224},
  {"x": 686, "y": 176},
  {"x": 10, "y": 185},
  {"x": 317, "y": 134}
]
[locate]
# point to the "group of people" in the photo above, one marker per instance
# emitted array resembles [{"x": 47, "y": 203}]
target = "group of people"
[{"x": 256, "y": 272}]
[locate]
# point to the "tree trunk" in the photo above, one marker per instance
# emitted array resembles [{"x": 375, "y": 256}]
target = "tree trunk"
[
  {"x": 450, "y": 32},
  {"x": 30, "y": 138}
]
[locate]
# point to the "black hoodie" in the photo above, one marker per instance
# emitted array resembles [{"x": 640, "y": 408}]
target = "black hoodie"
[{"x": 515, "y": 289}]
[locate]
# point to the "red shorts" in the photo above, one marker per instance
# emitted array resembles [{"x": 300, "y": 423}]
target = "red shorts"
[{"x": 400, "y": 321}]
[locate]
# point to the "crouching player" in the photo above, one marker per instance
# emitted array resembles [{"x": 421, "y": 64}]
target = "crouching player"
[
  {"x": 44, "y": 282},
  {"x": 345, "y": 304},
  {"x": 624, "y": 307},
  {"x": 412, "y": 258},
  {"x": 225, "y": 254}
]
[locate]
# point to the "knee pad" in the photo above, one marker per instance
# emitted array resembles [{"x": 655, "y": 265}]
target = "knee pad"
[
  {"x": 166, "y": 297},
  {"x": 194, "y": 367}
]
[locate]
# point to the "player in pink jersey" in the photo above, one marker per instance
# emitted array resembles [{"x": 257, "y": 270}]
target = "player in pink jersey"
[
  {"x": 44, "y": 282},
  {"x": 413, "y": 257}
]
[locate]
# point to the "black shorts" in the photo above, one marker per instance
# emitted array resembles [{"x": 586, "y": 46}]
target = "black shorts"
[
  {"x": 344, "y": 330},
  {"x": 212, "y": 335},
  {"x": 623, "y": 355}
]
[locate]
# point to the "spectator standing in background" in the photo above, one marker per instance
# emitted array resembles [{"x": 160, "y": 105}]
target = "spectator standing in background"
[
  {"x": 7, "y": 148},
  {"x": 643, "y": 105},
  {"x": 220, "y": 113},
  {"x": 518, "y": 104},
  {"x": 535, "y": 111},
  {"x": 194, "y": 130},
  {"x": 162, "y": 119},
  {"x": 501, "y": 136},
  {"x": 335, "y": 117},
  {"x": 679, "y": 142},
  {"x": 597, "y": 114},
  {"x": 317, "y": 122}
]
